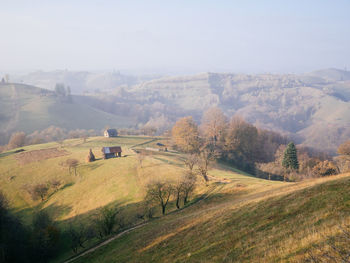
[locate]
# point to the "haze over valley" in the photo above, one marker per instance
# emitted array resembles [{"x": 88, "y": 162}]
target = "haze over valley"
[
  {"x": 312, "y": 108},
  {"x": 174, "y": 131}
]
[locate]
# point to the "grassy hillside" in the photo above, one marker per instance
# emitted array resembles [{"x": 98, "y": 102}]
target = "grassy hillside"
[
  {"x": 235, "y": 218},
  {"x": 27, "y": 108},
  {"x": 97, "y": 184},
  {"x": 118, "y": 181},
  {"x": 240, "y": 223}
]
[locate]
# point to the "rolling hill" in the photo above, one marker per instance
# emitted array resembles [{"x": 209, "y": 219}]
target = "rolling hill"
[
  {"x": 236, "y": 217},
  {"x": 27, "y": 108},
  {"x": 278, "y": 223},
  {"x": 313, "y": 109}
]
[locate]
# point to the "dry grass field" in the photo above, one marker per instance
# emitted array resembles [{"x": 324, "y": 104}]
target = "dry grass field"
[{"x": 235, "y": 218}]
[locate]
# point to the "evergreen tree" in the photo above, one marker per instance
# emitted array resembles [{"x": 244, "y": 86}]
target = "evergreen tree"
[{"x": 290, "y": 158}]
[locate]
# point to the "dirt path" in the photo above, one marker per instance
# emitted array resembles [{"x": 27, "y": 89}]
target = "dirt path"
[
  {"x": 90, "y": 250},
  {"x": 104, "y": 243}
]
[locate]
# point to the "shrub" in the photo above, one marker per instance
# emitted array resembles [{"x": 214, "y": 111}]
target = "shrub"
[{"x": 325, "y": 168}]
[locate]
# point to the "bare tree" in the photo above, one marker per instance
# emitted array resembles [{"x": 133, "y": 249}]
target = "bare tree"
[
  {"x": 140, "y": 157},
  {"x": 39, "y": 191},
  {"x": 191, "y": 161},
  {"x": 160, "y": 192},
  {"x": 213, "y": 125},
  {"x": 72, "y": 164},
  {"x": 17, "y": 139},
  {"x": 205, "y": 157},
  {"x": 106, "y": 220},
  {"x": 184, "y": 188},
  {"x": 188, "y": 185},
  {"x": 79, "y": 235},
  {"x": 178, "y": 191},
  {"x": 55, "y": 184}
]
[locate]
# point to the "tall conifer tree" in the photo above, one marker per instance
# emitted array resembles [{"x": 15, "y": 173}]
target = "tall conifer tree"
[{"x": 290, "y": 158}]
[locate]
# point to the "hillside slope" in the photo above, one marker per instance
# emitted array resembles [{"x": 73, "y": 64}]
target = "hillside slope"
[
  {"x": 280, "y": 224},
  {"x": 314, "y": 108},
  {"x": 235, "y": 218},
  {"x": 114, "y": 182},
  {"x": 27, "y": 108}
]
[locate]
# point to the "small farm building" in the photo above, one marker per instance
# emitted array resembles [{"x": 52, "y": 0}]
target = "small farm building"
[
  {"x": 111, "y": 152},
  {"x": 111, "y": 133}
]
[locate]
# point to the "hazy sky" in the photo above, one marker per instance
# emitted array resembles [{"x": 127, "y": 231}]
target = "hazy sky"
[{"x": 178, "y": 35}]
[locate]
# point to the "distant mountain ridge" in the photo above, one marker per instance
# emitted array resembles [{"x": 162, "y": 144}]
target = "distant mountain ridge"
[
  {"x": 80, "y": 81},
  {"x": 312, "y": 108}
]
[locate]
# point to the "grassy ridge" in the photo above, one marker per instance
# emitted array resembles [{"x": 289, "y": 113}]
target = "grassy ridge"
[
  {"x": 97, "y": 184},
  {"x": 279, "y": 224},
  {"x": 238, "y": 217},
  {"x": 118, "y": 181},
  {"x": 27, "y": 108}
]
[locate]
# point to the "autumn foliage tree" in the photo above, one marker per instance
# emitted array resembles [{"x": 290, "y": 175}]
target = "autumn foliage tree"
[
  {"x": 344, "y": 149},
  {"x": 241, "y": 144},
  {"x": 325, "y": 168},
  {"x": 185, "y": 135},
  {"x": 17, "y": 139},
  {"x": 213, "y": 125}
]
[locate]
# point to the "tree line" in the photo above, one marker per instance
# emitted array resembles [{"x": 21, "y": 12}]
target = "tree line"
[
  {"x": 261, "y": 152},
  {"x": 52, "y": 133}
]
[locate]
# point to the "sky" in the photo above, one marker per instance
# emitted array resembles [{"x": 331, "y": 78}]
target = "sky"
[{"x": 175, "y": 36}]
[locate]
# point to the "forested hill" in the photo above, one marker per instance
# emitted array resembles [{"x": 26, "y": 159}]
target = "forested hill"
[{"x": 313, "y": 108}]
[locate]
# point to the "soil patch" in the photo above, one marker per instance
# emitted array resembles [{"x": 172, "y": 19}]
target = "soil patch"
[{"x": 38, "y": 155}]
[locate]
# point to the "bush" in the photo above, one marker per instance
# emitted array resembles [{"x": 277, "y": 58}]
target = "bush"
[
  {"x": 325, "y": 168},
  {"x": 45, "y": 237},
  {"x": 106, "y": 221},
  {"x": 39, "y": 191},
  {"x": 17, "y": 139}
]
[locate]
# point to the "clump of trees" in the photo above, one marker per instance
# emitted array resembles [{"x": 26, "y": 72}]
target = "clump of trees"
[
  {"x": 18, "y": 139},
  {"x": 45, "y": 237},
  {"x": 235, "y": 141},
  {"x": 343, "y": 160},
  {"x": 106, "y": 221},
  {"x": 185, "y": 135},
  {"x": 257, "y": 151},
  {"x": 39, "y": 191},
  {"x": 52, "y": 133},
  {"x": 325, "y": 168},
  {"x": 42, "y": 190},
  {"x": 161, "y": 192},
  {"x": 38, "y": 242},
  {"x": 79, "y": 235},
  {"x": 63, "y": 92}
]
